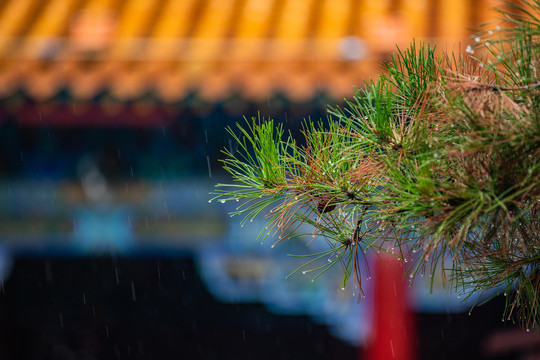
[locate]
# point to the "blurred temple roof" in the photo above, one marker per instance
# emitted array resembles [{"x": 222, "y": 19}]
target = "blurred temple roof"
[{"x": 252, "y": 48}]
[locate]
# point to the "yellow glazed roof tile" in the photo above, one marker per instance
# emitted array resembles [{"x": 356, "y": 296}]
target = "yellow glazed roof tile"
[{"x": 215, "y": 47}]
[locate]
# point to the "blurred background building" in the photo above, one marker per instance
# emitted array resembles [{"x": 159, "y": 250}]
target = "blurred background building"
[{"x": 112, "y": 118}]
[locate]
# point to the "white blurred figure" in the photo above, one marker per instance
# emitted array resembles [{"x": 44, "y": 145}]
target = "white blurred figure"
[
  {"x": 100, "y": 226},
  {"x": 353, "y": 48}
]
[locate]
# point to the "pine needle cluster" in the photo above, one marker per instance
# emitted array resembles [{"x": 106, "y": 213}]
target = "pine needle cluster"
[{"x": 436, "y": 161}]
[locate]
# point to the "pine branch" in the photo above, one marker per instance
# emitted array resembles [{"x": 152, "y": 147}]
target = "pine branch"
[{"x": 440, "y": 155}]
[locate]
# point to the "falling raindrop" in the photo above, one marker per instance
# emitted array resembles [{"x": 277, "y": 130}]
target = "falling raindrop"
[
  {"x": 107, "y": 331},
  {"x": 133, "y": 296},
  {"x": 209, "y": 169},
  {"x": 61, "y": 319},
  {"x": 116, "y": 275},
  {"x": 84, "y": 298}
]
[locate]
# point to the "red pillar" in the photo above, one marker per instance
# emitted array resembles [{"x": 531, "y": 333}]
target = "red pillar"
[{"x": 393, "y": 334}]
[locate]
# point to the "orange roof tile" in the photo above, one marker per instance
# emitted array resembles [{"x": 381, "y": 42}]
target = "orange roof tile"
[{"x": 252, "y": 47}]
